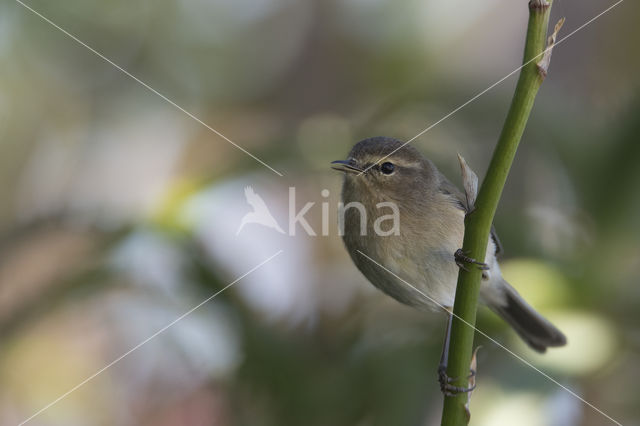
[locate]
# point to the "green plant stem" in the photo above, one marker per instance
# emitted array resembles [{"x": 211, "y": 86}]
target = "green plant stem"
[{"x": 478, "y": 222}]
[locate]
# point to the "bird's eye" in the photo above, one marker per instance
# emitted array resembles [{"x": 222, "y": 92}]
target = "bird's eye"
[{"x": 387, "y": 168}]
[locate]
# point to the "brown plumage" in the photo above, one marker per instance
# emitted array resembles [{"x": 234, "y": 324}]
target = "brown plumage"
[{"x": 431, "y": 229}]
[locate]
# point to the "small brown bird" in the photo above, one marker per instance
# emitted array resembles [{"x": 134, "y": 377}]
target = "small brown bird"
[{"x": 425, "y": 249}]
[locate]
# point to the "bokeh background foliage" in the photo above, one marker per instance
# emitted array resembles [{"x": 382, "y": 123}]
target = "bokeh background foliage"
[{"x": 119, "y": 212}]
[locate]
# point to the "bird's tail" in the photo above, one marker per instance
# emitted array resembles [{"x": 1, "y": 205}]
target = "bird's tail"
[{"x": 532, "y": 327}]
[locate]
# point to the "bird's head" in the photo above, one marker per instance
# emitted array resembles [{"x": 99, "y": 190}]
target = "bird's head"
[{"x": 385, "y": 168}]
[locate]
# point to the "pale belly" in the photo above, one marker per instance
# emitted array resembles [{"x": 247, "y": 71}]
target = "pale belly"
[
  {"x": 417, "y": 275},
  {"x": 417, "y": 270}
]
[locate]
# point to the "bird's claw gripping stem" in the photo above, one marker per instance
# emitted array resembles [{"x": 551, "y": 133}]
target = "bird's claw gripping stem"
[
  {"x": 462, "y": 259},
  {"x": 445, "y": 383}
]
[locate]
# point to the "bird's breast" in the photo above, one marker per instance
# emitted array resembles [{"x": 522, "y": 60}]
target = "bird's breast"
[{"x": 416, "y": 267}]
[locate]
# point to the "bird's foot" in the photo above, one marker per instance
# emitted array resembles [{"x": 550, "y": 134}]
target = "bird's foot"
[
  {"x": 462, "y": 259},
  {"x": 451, "y": 390}
]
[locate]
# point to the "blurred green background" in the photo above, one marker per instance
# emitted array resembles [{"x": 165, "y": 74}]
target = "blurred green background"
[{"x": 119, "y": 212}]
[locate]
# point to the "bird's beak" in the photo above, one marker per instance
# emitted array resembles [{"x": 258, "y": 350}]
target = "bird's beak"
[{"x": 345, "y": 166}]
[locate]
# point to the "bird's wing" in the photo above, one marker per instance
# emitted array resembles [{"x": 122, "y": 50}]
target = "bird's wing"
[
  {"x": 454, "y": 194},
  {"x": 460, "y": 201},
  {"x": 496, "y": 241},
  {"x": 255, "y": 201}
]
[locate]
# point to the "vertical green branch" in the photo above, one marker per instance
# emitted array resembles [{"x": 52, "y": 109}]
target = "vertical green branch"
[{"x": 478, "y": 222}]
